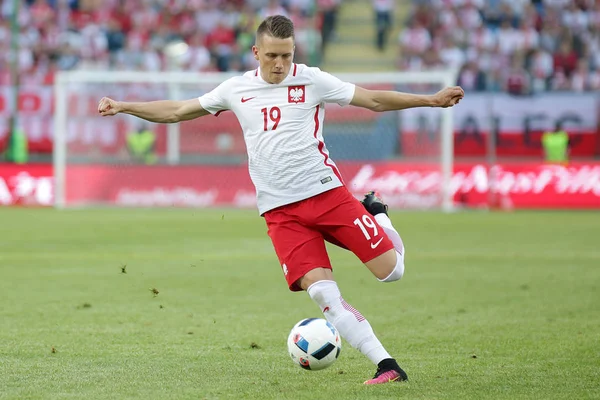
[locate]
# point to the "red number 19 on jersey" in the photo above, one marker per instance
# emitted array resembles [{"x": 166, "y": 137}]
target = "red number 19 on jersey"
[{"x": 274, "y": 114}]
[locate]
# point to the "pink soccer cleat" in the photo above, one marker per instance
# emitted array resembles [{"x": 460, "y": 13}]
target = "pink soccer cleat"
[{"x": 385, "y": 375}]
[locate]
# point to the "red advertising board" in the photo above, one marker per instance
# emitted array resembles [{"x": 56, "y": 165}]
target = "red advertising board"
[
  {"x": 522, "y": 185},
  {"x": 29, "y": 185}
]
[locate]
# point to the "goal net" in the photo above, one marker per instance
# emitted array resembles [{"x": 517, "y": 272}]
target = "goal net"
[{"x": 125, "y": 161}]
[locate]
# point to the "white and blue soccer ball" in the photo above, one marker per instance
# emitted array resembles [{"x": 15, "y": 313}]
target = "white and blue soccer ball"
[{"x": 314, "y": 344}]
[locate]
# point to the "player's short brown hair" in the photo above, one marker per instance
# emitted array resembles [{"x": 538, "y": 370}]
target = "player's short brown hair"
[{"x": 276, "y": 26}]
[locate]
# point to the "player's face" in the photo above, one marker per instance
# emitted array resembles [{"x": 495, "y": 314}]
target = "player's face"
[{"x": 274, "y": 56}]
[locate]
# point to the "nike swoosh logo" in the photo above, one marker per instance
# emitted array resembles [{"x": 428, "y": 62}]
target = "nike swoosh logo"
[
  {"x": 374, "y": 245},
  {"x": 247, "y": 99}
]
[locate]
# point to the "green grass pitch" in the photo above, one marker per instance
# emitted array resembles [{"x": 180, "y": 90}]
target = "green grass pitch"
[{"x": 192, "y": 304}]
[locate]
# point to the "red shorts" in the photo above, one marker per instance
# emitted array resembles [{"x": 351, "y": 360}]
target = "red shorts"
[{"x": 299, "y": 230}]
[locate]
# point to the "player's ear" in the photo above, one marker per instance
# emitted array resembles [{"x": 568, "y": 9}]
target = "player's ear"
[{"x": 255, "y": 52}]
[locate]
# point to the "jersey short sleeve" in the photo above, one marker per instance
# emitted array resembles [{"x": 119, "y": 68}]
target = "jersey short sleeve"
[
  {"x": 217, "y": 99},
  {"x": 331, "y": 89}
]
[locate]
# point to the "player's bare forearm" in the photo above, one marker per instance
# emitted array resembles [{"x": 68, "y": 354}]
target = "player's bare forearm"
[
  {"x": 382, "y": 100},
  {"x": 161, "y": 111},
  {"x": 389, "y": 101}
]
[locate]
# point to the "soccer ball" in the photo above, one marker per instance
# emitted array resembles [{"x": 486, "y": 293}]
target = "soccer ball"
[{"x": 314, "y": 344}]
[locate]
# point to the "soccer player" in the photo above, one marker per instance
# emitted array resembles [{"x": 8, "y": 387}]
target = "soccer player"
[{"x": 300, "y": 192}]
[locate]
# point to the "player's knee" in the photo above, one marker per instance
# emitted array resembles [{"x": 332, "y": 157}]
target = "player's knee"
[
  {"x": 314, "y": 276},
  {"x": 397, "y": 271}
]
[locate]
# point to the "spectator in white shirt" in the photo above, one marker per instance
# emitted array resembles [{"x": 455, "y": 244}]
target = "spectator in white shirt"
[
  {"x": 414, "y": 40},
  {"x": 542, "y": 68},
  {"x": 451, "y": 54},
  {"x": 508, "y": 38}
]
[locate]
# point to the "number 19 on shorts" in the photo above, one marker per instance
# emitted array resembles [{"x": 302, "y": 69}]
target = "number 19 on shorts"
[{"x": 364, "y": 223}]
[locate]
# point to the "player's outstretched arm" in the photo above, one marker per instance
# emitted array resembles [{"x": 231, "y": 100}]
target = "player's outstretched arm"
[
  {"x": 382, "y": 100},
  {"x": 164, "y": 111}
]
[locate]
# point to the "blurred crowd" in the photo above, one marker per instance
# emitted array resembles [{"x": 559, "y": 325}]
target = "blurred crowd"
[
  {"x": 518, "y": 46},
  {"x": 136, "y": 34}
]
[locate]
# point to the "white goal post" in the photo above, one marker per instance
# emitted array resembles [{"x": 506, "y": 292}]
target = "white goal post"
[{"x": 69, "y": 82}]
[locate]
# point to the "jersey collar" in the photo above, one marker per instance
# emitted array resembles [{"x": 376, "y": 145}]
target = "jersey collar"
[{"x": 292, "y": 72}]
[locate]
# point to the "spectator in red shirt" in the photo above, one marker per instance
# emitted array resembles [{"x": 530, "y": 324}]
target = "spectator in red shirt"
[
  {"x": 221, "y": 43},
  {"x": 565, "y": 58},
  {"x": 517, "y": 79},
  {"x": 123, "y": 16}
]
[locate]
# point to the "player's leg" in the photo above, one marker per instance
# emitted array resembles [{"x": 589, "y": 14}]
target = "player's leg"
[
  {"x": 348, "y": 223},
  {"x": 380, "y": 267},
  {"x": 352, "y": 325},
  {"x": 306, "y": 266}
]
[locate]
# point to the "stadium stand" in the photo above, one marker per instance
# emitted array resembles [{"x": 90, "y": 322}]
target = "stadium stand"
[
  {"x": 131, "y": 35},
  {"x": 519, "y": 46}
]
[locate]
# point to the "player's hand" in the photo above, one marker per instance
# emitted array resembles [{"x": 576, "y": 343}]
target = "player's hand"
[
  {"x": 449, "y": 96},
  {"x": 108, "y": 106}
]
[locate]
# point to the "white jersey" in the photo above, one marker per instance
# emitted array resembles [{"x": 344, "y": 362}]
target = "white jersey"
[{"x": 283, "y": 131}]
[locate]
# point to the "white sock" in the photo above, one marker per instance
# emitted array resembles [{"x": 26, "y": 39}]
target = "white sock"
[
  {"x": 351, "y": 325},
  {"x": 386, "y": 223},
  {"x": 398, "y": 271}
]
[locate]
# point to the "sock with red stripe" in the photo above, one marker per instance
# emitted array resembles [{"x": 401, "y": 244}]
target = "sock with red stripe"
[{"x": 350, "y": 323}]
